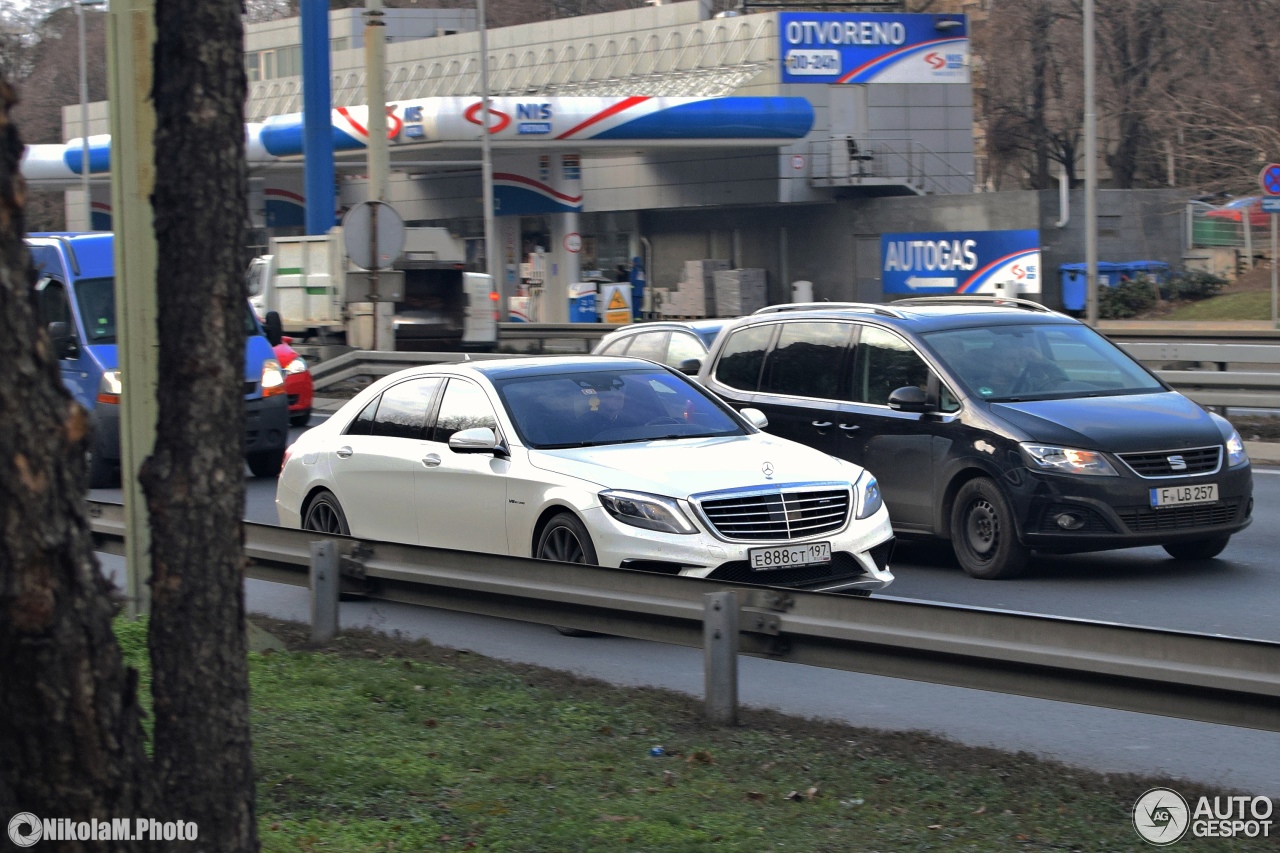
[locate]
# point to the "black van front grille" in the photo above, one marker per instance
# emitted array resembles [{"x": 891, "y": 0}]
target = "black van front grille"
[{"x": 1174, "y": 463}]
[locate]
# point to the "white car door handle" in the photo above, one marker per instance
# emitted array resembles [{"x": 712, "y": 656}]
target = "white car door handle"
[
  {"x": 822, "y": 424},
  {"x": 849, "y": 427},
  {"x": 343, "y": 452},
  {"x": 431, "y": 460}
]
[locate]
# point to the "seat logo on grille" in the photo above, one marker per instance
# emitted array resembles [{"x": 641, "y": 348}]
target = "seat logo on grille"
[
  {"x": 1177, "y": 463},
  {"x": 767, "y": 468}
]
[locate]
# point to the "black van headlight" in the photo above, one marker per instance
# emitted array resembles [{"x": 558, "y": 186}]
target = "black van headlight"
[
  {"x": 1235, "y": 451},
  {"x": 1068, "y": 460}
]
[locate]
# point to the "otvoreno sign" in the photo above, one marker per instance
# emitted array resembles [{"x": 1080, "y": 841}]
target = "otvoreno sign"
[
  {"x": 951, "y": 262},
  {"x": 838, "y": 47}
]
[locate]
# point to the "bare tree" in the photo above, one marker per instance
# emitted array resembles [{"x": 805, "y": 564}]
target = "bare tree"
[
  {"x": 70, "y": 729},
  {"x": 194, "y": 480}
]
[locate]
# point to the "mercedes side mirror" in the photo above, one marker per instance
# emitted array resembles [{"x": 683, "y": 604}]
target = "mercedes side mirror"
[
  {"x": 755, "y": 417},
  {"x": 690, "y": 366},
  {"x": 475, "y": 440},
  {"x": 909, "y": 399}
]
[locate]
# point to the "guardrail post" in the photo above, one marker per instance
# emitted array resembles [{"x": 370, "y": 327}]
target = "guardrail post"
[
  {"x": 720, "y": 656},
  {"x": 325, "y": 580}
]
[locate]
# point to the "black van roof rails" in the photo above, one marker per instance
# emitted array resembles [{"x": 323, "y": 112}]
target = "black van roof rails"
[
  {"x": 976, "y": 299},
  {"x": 884, "y": 310}
]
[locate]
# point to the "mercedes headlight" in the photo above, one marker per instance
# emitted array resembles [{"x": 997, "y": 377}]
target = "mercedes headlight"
[
  {"x": 298, "y": 365},
  {"x": 867, "y": 491},
  {"x": 1235, "y": 451},
  {"x": 272, "y": 378},
  {"x": 1068, "y": 460},
  {"x": 648, "y": 511}
]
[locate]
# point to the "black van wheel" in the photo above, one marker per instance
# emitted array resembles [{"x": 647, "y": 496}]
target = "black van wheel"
[
  {"x": 267, "y": 463},
  {"x": 1200, "y": 549},
  {"x": 565, "y": 540},
  {"x": 983, "y": 535}
]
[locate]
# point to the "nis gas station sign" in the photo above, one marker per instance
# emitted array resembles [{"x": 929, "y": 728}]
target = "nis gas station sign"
[
  {"x": 961, "y": 262},
  {"x": 833, "y": 47}
]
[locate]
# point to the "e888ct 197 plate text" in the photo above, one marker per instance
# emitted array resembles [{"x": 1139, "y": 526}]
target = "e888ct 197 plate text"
[{"x": 784, "y": 557}]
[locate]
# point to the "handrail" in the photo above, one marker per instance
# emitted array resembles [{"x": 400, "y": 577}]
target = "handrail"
[
  {"x": 883, "y": 310},
  {"x": 975, "y": 299},
  {"x": 1211, "y": 678}
]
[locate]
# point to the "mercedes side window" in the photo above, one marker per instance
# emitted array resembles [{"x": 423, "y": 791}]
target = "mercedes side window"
[
  {"x": 885, "y": 363},
  {"x": 683, "y": 347},
  {"x": 650, "y": 345},
  {"x": 743, "y": 356},
  {"x": 464, "y": 406},
  {"x": 404, "y": 409},
  {"x": 618, "y": 347},
  {"x": 363, "y": 423},
  {"x": 806, "y": 360}
]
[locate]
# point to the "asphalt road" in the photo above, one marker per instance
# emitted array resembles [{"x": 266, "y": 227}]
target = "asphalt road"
[{"x": 1235, "y": 594}]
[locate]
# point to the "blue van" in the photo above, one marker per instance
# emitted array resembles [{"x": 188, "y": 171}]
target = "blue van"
[{"x": 75, "y": 294}]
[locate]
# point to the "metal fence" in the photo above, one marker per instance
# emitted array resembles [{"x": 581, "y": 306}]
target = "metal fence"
[
  {"x": 1210, "y": 227},
  {"x": 1213, "y": 679}
]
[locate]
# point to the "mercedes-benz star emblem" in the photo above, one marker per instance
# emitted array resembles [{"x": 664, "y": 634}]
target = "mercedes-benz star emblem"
[{"x": 767, "y": 468}]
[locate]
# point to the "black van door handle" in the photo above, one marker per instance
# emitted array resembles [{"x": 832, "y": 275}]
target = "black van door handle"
[
  {"x": 822, "y": 424},
  {"x": 849, "y": 427}
]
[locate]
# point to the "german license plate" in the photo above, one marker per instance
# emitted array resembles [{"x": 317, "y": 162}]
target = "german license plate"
[
  {"x": 1183, "y": 495},
  {"x": 764, "y": 559}
]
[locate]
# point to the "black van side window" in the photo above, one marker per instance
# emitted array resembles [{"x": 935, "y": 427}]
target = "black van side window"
[
  {"x": 743, "y": 356},
  {"x": 806, "y": 360},
  {"x": 885, "y": 363}
]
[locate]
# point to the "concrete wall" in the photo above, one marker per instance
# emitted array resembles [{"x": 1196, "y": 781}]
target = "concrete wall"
[
  {"x": 837, "y": 245},
  {"x": 1133, "y": 225}
]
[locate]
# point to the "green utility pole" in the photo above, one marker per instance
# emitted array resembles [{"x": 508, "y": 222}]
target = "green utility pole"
[{"x": 131, "y": 36}]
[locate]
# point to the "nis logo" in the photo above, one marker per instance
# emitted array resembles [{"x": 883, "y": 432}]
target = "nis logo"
[
  {"x": 533, "y": 118},
  {"x": 939, "y": 61}
]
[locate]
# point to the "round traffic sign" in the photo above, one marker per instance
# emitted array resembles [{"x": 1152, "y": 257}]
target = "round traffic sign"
[
  {"x": 358, "y": 235},
  {"x": 1270, "y": 179},
  {"x": 573, "y": 241}
]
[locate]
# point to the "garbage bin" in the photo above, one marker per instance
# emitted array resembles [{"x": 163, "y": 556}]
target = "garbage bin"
[
  {"x": 1074, "y": 278},
  {"x": 582, "y": 302}
]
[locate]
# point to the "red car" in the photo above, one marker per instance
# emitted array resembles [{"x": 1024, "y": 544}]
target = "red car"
[
  {"x": 297, "y": 382},
  {"x": 1232, "y": 210}
]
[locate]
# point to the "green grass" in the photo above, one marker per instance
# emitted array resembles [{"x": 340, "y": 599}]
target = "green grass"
[
  {"x": 375, "y": 745},
  {"x": 1250, "y": 305}
]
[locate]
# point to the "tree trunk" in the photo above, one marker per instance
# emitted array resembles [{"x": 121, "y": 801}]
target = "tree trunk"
[
  {"x": 71, "y": 741},
  {"x": 194, "y": 481}
]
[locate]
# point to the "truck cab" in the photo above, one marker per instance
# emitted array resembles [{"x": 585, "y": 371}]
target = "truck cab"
[{"x": 75, "y": 295}]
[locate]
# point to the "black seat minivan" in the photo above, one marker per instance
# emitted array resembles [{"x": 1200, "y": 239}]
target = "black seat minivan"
[{"x": 994, "y": 423}]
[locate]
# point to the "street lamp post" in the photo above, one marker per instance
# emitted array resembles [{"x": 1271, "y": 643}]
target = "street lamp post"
[{"x": 84, "y": 115}]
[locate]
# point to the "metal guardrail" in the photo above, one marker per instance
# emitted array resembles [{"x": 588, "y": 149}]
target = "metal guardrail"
[
  {"x": 1213, "y": 679},
  {"x": 1221, "y": 386}
]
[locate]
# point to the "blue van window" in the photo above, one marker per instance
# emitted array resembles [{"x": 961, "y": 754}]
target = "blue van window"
[{"x": 96, "y": 298}]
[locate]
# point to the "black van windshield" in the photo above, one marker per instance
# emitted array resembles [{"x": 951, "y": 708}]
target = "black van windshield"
[
  {"x": 1039, "y": 362},
  {"x": 96, "y": 298}
]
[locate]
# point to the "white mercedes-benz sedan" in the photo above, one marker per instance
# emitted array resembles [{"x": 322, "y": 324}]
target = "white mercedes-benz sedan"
[{"x": 610, "y": 461}]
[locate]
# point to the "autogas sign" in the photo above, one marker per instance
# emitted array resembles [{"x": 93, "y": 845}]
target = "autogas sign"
[
  {"x": 951, "y": 262},
  {"x": 835, "y": 47}
]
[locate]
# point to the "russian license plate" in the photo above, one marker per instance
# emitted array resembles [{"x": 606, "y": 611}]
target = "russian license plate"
[
  {"x": 763, "y": 559},
  {"x": 1183, "y": 495}
]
